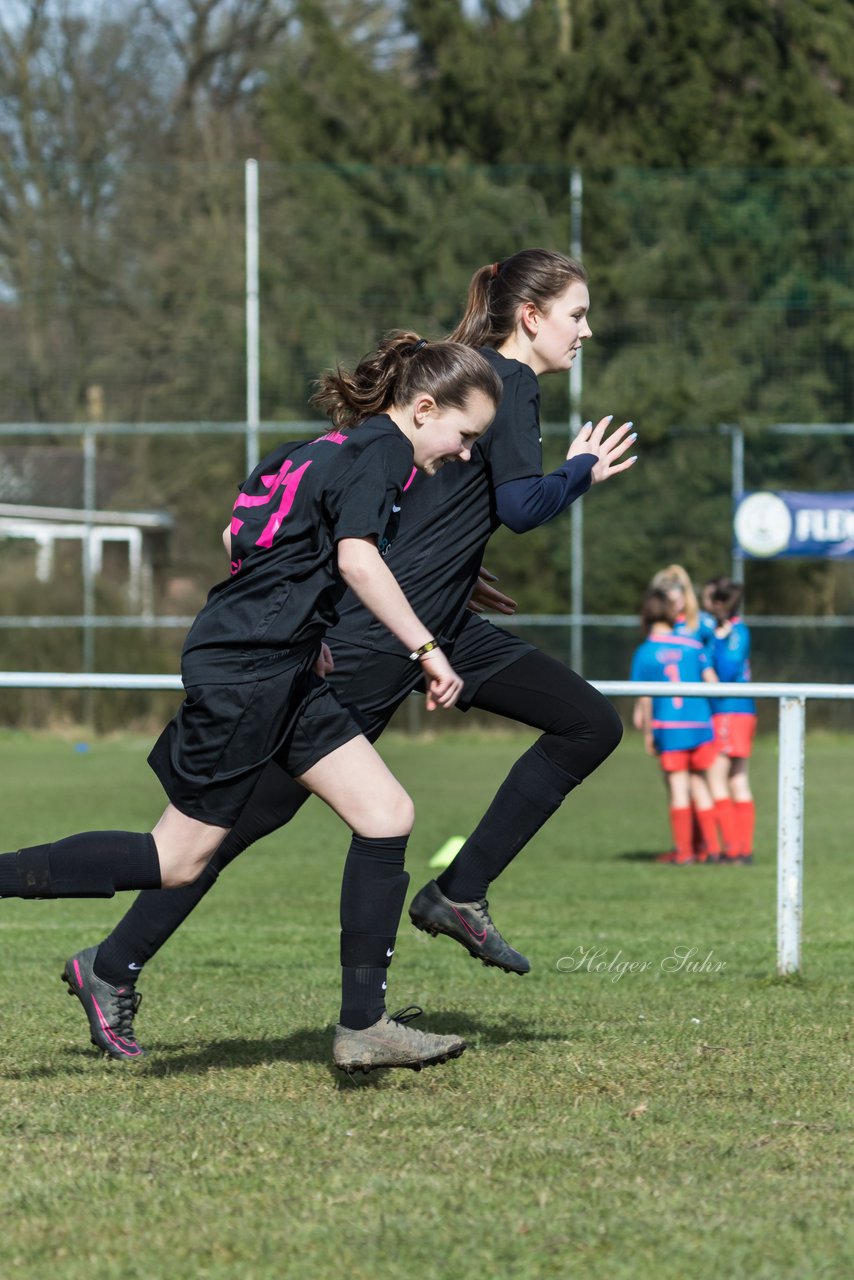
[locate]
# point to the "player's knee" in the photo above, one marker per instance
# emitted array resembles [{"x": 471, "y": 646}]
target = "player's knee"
[
  {"x": 610, "y": 730},
  {"x": 179, "y": 867},
  {"x": 393, "y": 815},
  {"x": 602, "y": 736}
]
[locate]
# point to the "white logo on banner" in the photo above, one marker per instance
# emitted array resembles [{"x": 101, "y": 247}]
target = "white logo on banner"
[{"x": 763, "y": 524}]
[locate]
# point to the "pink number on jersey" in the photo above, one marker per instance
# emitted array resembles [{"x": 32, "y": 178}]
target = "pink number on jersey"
[
  {"x": 286, "y": 480},
  {"x": 672, "y": 673}
]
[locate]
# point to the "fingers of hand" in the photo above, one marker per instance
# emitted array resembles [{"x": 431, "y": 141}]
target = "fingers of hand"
[
  {"x": 619, "y": 441},
  {"x": 620, "y": 466},
  {"x": 445, "y": 691},
  {"x": 599, "y": 430}
]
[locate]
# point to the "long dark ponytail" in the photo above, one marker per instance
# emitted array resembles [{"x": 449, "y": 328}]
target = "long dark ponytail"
[{"x": 498, "y": 290}]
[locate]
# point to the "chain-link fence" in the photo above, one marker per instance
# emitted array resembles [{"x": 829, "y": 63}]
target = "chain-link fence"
[{"x": 718, "y": 299}]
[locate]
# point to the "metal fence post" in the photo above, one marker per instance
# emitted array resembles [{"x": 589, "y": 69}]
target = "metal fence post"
[
  {"x": 790, "y": 836},
  {"x": 576, "y": 381},
  {"x": 253, "y": 327}
]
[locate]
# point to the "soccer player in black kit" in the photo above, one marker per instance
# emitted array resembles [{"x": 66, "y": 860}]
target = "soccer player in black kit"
[
  {"x": 311, "y": 520},
  {"x": 528, "y": 315}
]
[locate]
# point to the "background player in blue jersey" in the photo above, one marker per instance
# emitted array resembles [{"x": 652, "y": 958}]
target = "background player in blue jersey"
[
  {"x": 307, "y": 523},
  {"x": 528, "y": 315},
  {"x": 676, "y": 729},
  {"x": 675, "y": 581},
  {"x": 692, "y": 620},
  {"x": 734, "y": 719}
]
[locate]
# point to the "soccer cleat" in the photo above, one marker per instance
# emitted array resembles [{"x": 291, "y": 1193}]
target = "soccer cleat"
[
  {"x": 110, "y": 1010},
  {"x": 467, "y": 922},
  {"x": 390, "y": 1042}
]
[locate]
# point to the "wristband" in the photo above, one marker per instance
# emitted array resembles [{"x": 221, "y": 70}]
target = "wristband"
[{"x": 426, "y": 648}]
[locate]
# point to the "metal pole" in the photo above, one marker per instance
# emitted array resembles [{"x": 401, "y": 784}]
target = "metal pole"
[
  {"x": 90, "y": 458},
  {"x": 790, "y": 836},
  {"x": 737, "y": 491},
  {"x": 576, "y": 193},
  {"x": 252, "y": 317}
]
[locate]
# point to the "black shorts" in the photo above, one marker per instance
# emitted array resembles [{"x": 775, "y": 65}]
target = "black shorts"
[
  {"x": 373, "y": 683},
  {"x": 211, "y": 754}
]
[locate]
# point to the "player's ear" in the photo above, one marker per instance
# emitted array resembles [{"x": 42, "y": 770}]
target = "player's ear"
[
  {"x": 529, "y": 318},
  {"x": 422, "y": 409}
]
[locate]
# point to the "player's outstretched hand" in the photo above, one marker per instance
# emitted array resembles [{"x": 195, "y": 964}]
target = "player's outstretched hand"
[
  {"x": 609, "y": 450},
  {"x": 444, "y": 686},
  {"x": 485, "y": 598}
]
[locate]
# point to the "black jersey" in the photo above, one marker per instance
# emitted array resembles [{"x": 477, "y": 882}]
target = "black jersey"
[
  {"x": 284, "y": 587},
  {"x": 447, "y": 520}
]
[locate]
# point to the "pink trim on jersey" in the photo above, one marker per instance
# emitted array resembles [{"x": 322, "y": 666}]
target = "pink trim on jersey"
[
  {"x": 680, "y": 724},
  {"x": 673, "y": 638},
  {"x": 411, "y": 478},
  {"x": 334, "y": 437}
]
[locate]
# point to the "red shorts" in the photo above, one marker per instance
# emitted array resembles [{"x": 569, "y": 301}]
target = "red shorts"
[
  {"x": 696, "y": 760},
  {"x": 734, "y": 732}
]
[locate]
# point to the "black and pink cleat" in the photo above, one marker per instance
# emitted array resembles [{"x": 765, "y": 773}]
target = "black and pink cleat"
[{"x": 110, "y": 1010}]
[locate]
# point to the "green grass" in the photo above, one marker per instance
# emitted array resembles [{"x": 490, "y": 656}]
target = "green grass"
[{"x": 659, "y": 1124}]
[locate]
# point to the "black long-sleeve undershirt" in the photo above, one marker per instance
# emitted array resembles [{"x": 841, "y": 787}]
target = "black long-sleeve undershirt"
[{"x": 533, "y": 500}]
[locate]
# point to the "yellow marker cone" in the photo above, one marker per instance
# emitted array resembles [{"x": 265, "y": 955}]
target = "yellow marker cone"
[{"x": 444, "y": 856}]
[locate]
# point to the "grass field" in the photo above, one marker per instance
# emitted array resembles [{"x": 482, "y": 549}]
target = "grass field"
[{"x": 666, "y": 1123}]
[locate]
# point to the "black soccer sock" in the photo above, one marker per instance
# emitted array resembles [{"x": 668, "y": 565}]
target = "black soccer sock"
[
  {"x": 156, "y": 914},
  {"x": 93, "y": 865},
  {"x": 534, "y": 788},
  {"x": 146, "y": 926},
  {"x": 372, "y": 894}
]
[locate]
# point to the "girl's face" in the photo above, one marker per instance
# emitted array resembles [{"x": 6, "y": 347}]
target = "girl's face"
[
  {"x": 676, "y": 596},
  {"x": 556, "y": 334},
  {"x": 447, "y": 435}
]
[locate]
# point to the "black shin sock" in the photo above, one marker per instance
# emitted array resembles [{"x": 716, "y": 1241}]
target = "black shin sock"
[
  {"x": 142, "y": 931},
  {"x": 372, "y": 893},
  {"x": 155, "y": 915},
  {"x": 532, "y": 791},
  {"x": 93, "y": 865}
]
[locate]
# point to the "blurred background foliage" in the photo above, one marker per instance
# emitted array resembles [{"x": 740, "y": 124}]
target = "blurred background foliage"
[{"x": 401, "y": 146}]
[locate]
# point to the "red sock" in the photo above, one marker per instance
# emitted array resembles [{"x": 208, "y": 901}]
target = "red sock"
[
  {"x": 680, "y": 825},
  {"x": 706, "y": 819},
  {"x": 728, "y": 823},
  {"x": 697, "y": 839},
  {"x": 745, "y": 819}
]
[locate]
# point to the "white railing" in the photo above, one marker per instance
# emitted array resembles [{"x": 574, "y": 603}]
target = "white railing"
[{"x": 792, "y": 699}]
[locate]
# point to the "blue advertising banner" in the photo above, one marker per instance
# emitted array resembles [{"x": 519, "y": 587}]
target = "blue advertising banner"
[{"x": 783, "y": 524}]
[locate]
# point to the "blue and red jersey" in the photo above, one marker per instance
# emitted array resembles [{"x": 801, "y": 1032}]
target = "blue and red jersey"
[
  {"x": 704, "y": 631},
  {"x": 678, "y": 724},
  {"x": 731, "y": 660}
]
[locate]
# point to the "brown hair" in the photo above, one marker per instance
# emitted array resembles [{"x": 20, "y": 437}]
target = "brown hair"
[
  {"x": 498, "y": 290},
  {"x": 723, "y": 597},
  {"x": 675, "y": 576},
  {"x": 657, "y": 607},
  {"x": 402, "y": 367}
]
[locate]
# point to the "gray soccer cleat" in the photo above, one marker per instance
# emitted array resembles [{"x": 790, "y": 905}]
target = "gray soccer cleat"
[
  {"x": 391, "y": 1043},
  {"x": 468, "y": 923},
  {"x": 110, "y": 1010}
]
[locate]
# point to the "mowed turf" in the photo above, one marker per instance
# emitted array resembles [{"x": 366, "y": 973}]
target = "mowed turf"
[{"x": 665, "y": 1119}]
